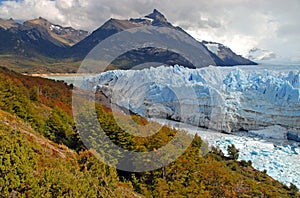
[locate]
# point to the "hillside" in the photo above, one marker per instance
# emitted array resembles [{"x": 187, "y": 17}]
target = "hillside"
[
  {"x": 42, "y": 154},
  {"x": 33, "y": 166}
]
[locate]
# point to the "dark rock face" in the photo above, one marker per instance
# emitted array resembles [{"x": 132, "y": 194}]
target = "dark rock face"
[
  {"x": 66, "y": 35},
  {"x": 293, "y": 135},
  {"x": 29, "y": 42},
  {"x": 158, "y": 19}
]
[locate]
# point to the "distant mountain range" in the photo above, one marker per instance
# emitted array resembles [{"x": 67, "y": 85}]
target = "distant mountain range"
[
  {"x": 37, "y": 37},
  {"x": 41, "y": 38}
]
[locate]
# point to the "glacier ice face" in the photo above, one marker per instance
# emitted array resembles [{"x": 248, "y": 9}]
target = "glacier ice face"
[
  {"x": 275, "y": 132},
  {"x": 220, "y": 98}
]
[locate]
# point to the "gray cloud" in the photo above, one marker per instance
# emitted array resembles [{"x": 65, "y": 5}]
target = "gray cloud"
[{"x": 239, "y": 24}]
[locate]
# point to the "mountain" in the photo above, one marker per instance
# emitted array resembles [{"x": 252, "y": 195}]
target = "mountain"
[
  {"x": 225, "y": 56},
  {"x": 6, "y": 24},
  {"x": 37, "y": 37},
  {"x": 41, "y": 42},
  {"x": 113, "y": 26},
  {"x": 66, "y": 35}
]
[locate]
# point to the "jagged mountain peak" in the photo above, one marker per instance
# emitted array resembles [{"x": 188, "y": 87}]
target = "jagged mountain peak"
[
  {"x": 118, "y": 24},
  {"x": 158, "y": 18},
  {"x": 37, "y": 37},
  {"x": 156, "y": 15},
  {"x": 220, "y": 56},
  {"x": 155, "y": 18}
]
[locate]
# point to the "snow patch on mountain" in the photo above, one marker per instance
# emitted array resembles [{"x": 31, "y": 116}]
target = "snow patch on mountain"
[
  {"x": 213, "y": 47},
  {"x": 55, "y": 27}
]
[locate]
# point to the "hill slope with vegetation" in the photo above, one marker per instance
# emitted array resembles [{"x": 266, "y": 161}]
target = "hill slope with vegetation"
[{"x": 42, "y": 155}]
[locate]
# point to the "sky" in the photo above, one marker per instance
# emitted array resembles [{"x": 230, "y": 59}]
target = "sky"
[{"x": 271, "y": 28}]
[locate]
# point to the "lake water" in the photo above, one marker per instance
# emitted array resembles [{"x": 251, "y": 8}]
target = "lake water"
[{"x": 69, "y": 79}]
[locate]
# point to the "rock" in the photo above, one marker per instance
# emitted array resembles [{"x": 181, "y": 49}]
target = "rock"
[{"x": 293, "y": 135}]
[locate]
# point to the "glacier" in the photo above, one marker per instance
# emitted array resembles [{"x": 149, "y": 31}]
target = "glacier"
[
  {"x": 258, "y": 108},
  {"x": 226, "y": 99}
]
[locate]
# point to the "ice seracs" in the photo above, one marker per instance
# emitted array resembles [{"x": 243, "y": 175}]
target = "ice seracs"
[{"x": 219, "y": 98}]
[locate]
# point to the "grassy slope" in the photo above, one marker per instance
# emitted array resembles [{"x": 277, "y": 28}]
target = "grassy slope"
[
  {"x": 36, "y": 112},
  {"x": 38, "y": 65}
]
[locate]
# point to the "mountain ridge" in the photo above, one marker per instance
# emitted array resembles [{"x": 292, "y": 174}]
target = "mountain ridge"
[
  {"x": 225, "y": 58},
  {"x": 37, "y": 37},
  {"x": 43, "y": 40}
]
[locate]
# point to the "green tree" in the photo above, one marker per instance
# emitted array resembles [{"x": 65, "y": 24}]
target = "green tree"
[
  {"x": 233, "y": 152},
  {"x": 59, "y": 127}
]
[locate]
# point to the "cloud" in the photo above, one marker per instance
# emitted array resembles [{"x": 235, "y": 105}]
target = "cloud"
[
  {"x": 239, "y": 24},
  {"x": 29, "y": 9},
  {"x": 264, "y": 55}
]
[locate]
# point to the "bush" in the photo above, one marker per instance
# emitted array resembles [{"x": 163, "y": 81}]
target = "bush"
[
  {"x": 233, "y": 152},
  {"x": 246, "y": 163}
]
